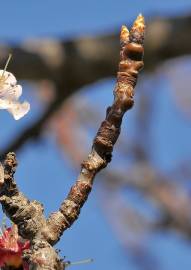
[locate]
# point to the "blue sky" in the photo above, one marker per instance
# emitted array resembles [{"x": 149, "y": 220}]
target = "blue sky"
[
  {"x": 25, "y": 19},
  {"x": 50, "y": 178}
]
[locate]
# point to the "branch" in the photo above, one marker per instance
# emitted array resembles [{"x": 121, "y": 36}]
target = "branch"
[
  {"x": 33, "y": 131},
  {"x": 28, "y": 215},
  {"x": 97, "y": 56},
  {"x": 130, "y": 63},
  {"x": 86, "y": 60},
  {"x": 174, "y": 214},
  {"x": 29, "y": 218}
]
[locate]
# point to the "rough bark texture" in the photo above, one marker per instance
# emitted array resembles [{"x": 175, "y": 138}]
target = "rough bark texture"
[
  {"x": 28, "y": 215},
  {"x": 130, "y": 63}
]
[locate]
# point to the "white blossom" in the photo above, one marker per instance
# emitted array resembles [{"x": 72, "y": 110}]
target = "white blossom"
[{"x": 10, "y": 92}]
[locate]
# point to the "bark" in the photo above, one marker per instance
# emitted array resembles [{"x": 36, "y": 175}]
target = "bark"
[
  {"x": 28, "y": 215},
  {"x": 87, "y": 60}
]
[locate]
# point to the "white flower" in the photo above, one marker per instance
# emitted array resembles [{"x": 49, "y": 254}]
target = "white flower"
[{"x": 10, "y": 92}]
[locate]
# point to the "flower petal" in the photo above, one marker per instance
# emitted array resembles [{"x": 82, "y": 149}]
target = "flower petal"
[
  {"x": 7, "y": 80},
  {"x": 8, "y": 77},
  {"x": 13, "y": 93},
  {"x": 18, "y": 110},
  {"x": 9, "y": 95},
  {"x": 5, "y": 103}
]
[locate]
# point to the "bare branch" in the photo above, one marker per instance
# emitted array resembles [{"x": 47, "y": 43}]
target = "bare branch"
[
  {"x": 28, "y": 215},
  {"x": 29, "y": 218},
  {"x": 86, "y": 60},
  {"x": 130, "y": 64}
]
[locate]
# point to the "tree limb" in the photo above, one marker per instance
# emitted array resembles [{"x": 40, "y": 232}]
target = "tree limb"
[
  {"x": 28, "y": 215},
  {"x": 86, "y": 60},
  {"x": 130, "y": 63}
]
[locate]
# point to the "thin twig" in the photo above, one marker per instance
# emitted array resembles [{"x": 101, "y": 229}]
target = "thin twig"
[
  {"x": 130, "y": 63},
  {"x": 28, "y": 215}
]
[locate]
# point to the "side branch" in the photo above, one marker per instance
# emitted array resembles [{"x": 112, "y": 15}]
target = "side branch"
[
  {"x": 131, "y": 56},
  {"x": 29, "y": 218},
  {"x": 28, "y": 215},
  {"x": 95, "y": 63}
]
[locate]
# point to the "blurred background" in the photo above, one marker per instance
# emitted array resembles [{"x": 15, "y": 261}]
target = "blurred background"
[{"x": 65, "y": 55}]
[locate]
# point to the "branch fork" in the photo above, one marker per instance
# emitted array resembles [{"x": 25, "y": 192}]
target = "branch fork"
[{"x": 28, "y": 215}]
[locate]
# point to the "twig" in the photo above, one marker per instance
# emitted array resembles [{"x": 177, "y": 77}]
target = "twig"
[
  {"x": 159, "y": 48},
  {"x": 129, "y": 66},
  {"x": 28, "y": 216}
]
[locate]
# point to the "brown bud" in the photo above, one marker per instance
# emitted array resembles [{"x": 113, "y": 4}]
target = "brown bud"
[{"x": 134, "y": 51}]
